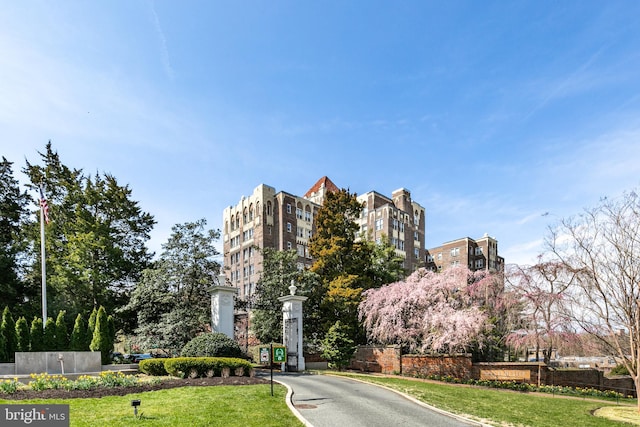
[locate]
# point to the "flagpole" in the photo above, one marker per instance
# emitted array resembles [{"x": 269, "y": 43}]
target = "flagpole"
[{"x": 44, "y": 267}]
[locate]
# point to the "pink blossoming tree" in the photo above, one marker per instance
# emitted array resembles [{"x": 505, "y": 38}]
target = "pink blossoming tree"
[{"x": 445, "y": 312}]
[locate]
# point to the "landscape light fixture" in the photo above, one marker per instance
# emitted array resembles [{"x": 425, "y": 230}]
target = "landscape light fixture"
[{"x": 135, "y": 404}]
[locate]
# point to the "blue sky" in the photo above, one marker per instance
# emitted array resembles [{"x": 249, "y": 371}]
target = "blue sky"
[{"x": 492, "y": 113}]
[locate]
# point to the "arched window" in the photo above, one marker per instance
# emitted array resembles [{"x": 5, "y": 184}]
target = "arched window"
[
  {"x": 251, "y": 212},
  {"x": 232, "y": 223},
  {"x": 245, "y": 218},
  {"x": 237, "y": 219},
  {"x": 268, "y": 208}
]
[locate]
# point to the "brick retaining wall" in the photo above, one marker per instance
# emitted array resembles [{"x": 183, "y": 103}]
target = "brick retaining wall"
[
  {"x": 425, "y": 366},
  {"x": 390, "y": 360}
]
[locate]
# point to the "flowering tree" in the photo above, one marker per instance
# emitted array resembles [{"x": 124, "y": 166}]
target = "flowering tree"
[
  {"x": 542, "y": 290},
  {"x": 442, "y": 312}
]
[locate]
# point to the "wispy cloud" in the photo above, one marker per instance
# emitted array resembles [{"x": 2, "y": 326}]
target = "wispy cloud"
[
  {"x": 164, "y": 51},
  {"x": 574, "y": 82}
]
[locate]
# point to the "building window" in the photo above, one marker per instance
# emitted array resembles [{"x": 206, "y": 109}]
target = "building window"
[
  {"x": 429, "y": 258},
  {"x": 479, "y": 263},
  {"x": 379, "y": 224},
  {"x": 288, "y": 245},
  {"x": 416, "y": 252},
  {"x": 415, "y": 236},
  {"x": 401, "y": 245},
  {"x": 455, "y": 251},
  {"x": 268, "y": 208},
  {"x": 288, "y": 208},
  {"x": 288, "y": 227},
  {"x": 300, "y": 250},
  {"x": 402, "y": 227},
  {"x": 478, "y": 250},
  {"x": 439, "y": 255},
  {"x": 298, "y": 213},
  {"x": 307, "y": 216},
  {"x": 395, "y": 224}
]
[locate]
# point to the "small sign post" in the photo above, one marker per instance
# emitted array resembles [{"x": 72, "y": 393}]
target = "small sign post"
[{"x": 276, "y": 354}]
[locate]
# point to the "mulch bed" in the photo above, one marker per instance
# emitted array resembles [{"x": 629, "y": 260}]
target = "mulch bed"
[{"x": 122, "y": 391}]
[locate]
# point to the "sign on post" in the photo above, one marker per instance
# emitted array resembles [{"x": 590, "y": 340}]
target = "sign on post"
[
  {"x": 264, "y": 355},
  {"x": 279, "y": 354}
]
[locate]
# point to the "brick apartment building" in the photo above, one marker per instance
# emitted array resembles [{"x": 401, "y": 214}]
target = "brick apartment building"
[
  {"x": 479, "y": 254},
  {"x": 280, "y": 220}
]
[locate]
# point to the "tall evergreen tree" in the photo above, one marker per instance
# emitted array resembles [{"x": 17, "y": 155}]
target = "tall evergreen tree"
[
  {"x": 96, "y": 241},
  {"x": 3, "y": 347},
  {"x": 22, "y": 332},
  {"x": 13, "y": 215},
  {"x": 50, "y": 335},
  {"x": 340, "y": 261},
  {"x": 91, "y": 326},
  {"x": 62, "y": 335},
  {"x": 37, "y": 335},
  {"x": 78, "y": 335},
  {"x": 8, "y": 328},
  {"x": 100, "y": 340}
]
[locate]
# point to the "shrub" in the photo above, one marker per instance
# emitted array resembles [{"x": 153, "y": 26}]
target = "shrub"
[
  {"x": 153, "y": 367},
  {"x": 619, "y": 370},
  {"x": 194, "y": 367},
  {"x": 214, "y": 344},
  {"x": 337, "y": 346}
]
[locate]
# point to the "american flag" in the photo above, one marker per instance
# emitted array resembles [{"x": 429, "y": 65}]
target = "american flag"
[{"x": 44, "y": 206}]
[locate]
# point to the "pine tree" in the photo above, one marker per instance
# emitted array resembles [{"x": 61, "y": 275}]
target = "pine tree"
[
  {"x": 78, "y": 335},
  {"x": 101, "y": 341},
  {"x": 91, "y": 326},
  {"x": 3, "y": 347},
  {"x": 50, "y": 335},
  {"x": 37, "y": 335},
  {"x": 22, "y": 332},
  {"x": 13, "y": 247},
  {"x": 62, "y": 336},
  {"x": 9, "y": 331}
]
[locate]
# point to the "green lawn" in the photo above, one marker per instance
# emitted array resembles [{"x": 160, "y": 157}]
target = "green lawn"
[
  {"x": 227, "y": 406},
  {"x": 499, "y": 407}
]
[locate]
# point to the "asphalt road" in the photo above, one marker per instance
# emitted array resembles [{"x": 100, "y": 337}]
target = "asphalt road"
[{"x": 328, "y": 401}]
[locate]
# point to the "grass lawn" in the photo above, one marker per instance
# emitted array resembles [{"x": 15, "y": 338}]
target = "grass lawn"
[
  {"x": 499, "y": 407},
  {"x": 227, "y": 406}
]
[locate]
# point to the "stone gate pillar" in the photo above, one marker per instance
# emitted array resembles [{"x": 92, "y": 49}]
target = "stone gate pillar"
[
  {"x": 292, "y": 329},
  {"x": 222, "y": 307}
]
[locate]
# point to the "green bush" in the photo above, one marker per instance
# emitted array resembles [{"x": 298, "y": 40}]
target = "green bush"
[
  {"x": 211, "y": 345},
  {"x": 153, "y": 367},
  {"x": 337, "y": 346},
  {"x": 619, "y": 370},
  {"x": 184, "y": 367}
]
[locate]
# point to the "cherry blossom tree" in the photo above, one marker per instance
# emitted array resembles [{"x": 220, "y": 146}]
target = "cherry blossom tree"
[{"x": 445, "y": 312}]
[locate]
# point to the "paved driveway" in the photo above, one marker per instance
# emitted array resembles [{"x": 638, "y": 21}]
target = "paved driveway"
[{"x": 328, "y": 401}]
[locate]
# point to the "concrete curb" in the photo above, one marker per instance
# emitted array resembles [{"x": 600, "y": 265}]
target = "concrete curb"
[{"x": 292, "y": 408}]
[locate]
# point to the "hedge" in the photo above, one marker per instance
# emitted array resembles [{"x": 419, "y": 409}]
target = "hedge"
[
  {"x": 194, "y": 367},
  {"x": 153, "y": 367}
]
